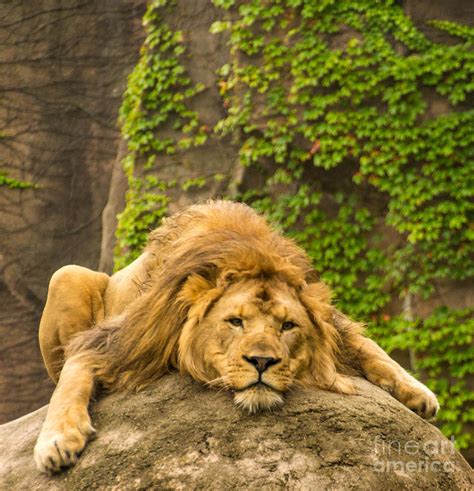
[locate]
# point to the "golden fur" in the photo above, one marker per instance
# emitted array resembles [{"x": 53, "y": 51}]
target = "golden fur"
[{"x": 219, "y": 295}]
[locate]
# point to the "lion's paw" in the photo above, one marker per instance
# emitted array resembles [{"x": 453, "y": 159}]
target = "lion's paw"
[
  {"x": 418, "y": 398},
  {"x": 56, "y": 450}
]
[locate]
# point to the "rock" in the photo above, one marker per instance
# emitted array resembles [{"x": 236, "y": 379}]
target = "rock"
[
  {"x": 63, "y": 70},
  {"x": 181, "y": 435}
]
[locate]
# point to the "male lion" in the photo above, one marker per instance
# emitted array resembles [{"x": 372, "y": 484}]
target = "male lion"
[{"x": 219, "y": 295}]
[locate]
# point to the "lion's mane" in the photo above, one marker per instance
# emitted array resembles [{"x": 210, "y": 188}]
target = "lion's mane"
[{"x": 192, "y": 257}]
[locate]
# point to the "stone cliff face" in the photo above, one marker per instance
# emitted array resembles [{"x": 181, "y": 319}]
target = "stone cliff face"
[
  {"x": 63, "y": 68},
  {"x": 180, "y": 435}
]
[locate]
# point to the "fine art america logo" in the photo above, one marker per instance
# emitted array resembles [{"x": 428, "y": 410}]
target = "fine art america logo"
[{"x": 414, "y": 456}]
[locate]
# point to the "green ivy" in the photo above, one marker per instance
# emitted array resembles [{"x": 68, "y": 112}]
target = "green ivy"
[
  {"x": 14, "y": 183},
  {"x": 445, "y": 355},
  {"x": 314, "y": 89},
  {"x": 321, "y": 84},
  {"x": 155, "y": 120},
  {"x": 147, "y": 204}
]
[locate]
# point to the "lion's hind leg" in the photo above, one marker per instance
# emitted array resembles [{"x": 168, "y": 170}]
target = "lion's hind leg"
[{"x": 75, "y": 303}]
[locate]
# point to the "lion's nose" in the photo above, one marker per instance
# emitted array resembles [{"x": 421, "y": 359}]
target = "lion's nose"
[{"x": 261, "y": 363}]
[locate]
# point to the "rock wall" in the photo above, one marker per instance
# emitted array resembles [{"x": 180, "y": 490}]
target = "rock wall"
[{"x": 63, "y": 68}]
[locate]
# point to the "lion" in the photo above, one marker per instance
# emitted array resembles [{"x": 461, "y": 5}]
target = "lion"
[{"x": 219, "y": 295}]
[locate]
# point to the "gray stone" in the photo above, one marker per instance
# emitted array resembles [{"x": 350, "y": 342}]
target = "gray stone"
[{"x": 180, "y": 435}]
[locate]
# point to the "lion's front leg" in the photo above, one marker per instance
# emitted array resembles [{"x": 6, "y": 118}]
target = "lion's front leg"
[
  {"x": 381, "y": 370},
  {"x": 377, "y": 366},
  {"x": 67, "y": 427}
]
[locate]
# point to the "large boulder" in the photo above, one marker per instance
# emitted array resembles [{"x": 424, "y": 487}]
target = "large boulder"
[{"x": 180, "y": 435}]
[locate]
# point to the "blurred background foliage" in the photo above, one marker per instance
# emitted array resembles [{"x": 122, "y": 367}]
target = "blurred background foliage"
[{"x": 356, "y": 135}]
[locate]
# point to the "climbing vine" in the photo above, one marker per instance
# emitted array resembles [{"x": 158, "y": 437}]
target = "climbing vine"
[
  {"x": 444, "y": 348},
  {"x": 156, "y": 97},
  {"x": 13, "y": 183},
  {"x": 319, "y": 90}
]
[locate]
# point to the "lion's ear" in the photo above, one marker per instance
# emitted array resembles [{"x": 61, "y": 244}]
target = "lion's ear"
[{"x": 194, "y": 288}]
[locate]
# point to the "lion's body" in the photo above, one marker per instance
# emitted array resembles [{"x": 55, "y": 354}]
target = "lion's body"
[{"x": 217, "y": 294}]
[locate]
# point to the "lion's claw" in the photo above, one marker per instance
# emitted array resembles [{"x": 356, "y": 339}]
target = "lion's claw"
[
  {"x": 418, "y": 398},
  {"x": 55, "y": 450}
]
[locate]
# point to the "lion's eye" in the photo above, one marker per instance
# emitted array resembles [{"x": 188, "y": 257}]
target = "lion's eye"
[
  {"x": 235, "y": 321},
  {"x": 287, "y": 325}
]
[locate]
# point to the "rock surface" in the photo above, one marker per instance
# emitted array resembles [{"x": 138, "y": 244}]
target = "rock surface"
[
  {"x": 180, "y": 435},
  {"x": 63, "y": 69}
]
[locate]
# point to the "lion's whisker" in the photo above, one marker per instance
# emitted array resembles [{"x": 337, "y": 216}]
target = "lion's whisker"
[{"x": 219, "y": 382}]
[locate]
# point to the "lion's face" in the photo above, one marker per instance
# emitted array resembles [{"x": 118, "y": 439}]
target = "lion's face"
[{"x": 255, "y": 340}]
